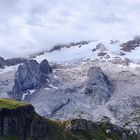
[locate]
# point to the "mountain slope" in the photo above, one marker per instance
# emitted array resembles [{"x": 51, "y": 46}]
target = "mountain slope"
[
  {"x": 19, "y": 121},
  {"x": 62, "y": 95}
]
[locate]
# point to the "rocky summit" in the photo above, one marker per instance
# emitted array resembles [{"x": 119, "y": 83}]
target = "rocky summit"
[
  {"x": 98, "y": 85},
  {"x": 30, "y": 75}
]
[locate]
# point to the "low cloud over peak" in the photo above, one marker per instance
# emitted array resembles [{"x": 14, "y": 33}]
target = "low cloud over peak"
[{"x": 32, "y": 25}]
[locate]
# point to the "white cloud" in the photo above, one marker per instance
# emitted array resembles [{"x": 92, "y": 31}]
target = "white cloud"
[{"x": 31, "y": 25}]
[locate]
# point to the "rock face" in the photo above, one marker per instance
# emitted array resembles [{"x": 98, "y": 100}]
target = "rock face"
[
  {"x": 27, "y": 75},
  {"x": 131, "y": 45},
  {"x": 98, "y": 85},
  {"x": 119, "y": 61},
  {"x": 11, "y": 62},
  {"x": 19, "y": 120},
  {"x": 45, "y": 67},
  {"x": 14, "y": 61},
  {"x": 44, "y": 70},
  {"x": 2, "y": 62},
  {"x": 39, "y": 127},
  {"x": 30, "y": 75},
  {"x": 26, "y": 78},
  {"x": 101, "y": 47},
  {"x": 131, "y": 107},
  {"x": 15, "y": 125}
]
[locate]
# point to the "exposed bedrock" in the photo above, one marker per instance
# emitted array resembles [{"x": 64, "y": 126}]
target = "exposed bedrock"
[
  {"x": 11, "y": 62},
  {"x": 30, "y": 75},
  {"x": 127, "y": 111},
  {"x": 98, "y": 86},
  {"x": 131, "y": 45},
  {"x": 18, "y": 121}
]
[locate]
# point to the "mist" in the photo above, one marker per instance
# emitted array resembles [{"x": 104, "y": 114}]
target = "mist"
[{"x": 28, "y": 26}]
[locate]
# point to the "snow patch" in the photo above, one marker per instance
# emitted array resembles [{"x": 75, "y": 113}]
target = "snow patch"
[
  {"x": 30, "y": 92},
  {"x": 24, "y": 95},
  {"x": 9, "y": 68},
  {"x": 52, "y": 86},
  {"x": 85, "y": 52}
]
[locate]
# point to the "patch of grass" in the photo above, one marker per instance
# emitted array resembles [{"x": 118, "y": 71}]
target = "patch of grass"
[
  {"x": 57, "y": 131},
  {"x": 11, "y": 104}
]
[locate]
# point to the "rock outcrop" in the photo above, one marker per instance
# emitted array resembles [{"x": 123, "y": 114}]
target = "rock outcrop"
[
  {"x": 60, "y": 46},
  {"x": 15, "y": 125},
  {"x": 11, "y": 62},
  {"x": 89, "y": 130},
  {"x": 14, "y": 61},
  {"x": 2, "y": 63},
  {"x": 98, "y": 86},
  {"x": 101, "y": 47},
  {"x": 128, "y": 112},
  {"x": 131, "y": 45},
  {"x": 19, "y": 121},
  {"x": 30, "y": 75},
  {"x": 79, "y": 124},
  {"x": 44, "y": 70},
  {"x": 120, "y": 61}
]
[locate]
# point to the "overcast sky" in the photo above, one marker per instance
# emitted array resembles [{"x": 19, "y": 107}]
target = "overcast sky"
[{"x": 31, "y": 25}]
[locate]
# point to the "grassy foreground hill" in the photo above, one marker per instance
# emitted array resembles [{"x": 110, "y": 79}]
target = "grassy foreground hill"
[{"x": 19, "y": 121}]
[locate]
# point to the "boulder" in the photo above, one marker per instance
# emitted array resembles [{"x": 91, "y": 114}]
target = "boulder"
[
  {"x": 14, "y": 119},
  {"x": 98, "y": 86}
]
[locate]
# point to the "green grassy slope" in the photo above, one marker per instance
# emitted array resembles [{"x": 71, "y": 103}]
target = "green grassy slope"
[{"x": 11, "y": 104}]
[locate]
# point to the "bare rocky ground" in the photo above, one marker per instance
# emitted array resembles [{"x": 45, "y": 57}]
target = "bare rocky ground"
[{"x": 64, "y": 98}]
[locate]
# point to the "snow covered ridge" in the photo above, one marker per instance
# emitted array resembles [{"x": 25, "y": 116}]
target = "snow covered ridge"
[{"x": 118, "y": 52}]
